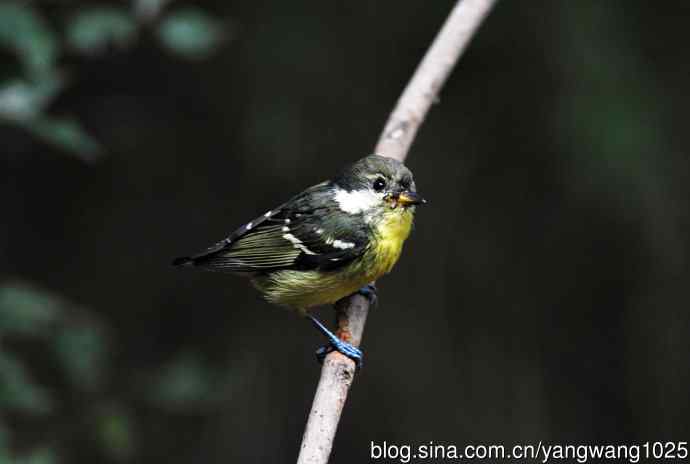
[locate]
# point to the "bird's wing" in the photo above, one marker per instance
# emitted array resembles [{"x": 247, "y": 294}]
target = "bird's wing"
[{"x": 297, "y": 235}]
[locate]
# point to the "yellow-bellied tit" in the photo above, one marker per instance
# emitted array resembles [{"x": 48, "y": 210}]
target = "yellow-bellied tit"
[{"x": 325, "y": 243}]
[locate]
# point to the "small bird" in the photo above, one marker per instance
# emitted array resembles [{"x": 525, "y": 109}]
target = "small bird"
[{"x": 326, "y": 243}]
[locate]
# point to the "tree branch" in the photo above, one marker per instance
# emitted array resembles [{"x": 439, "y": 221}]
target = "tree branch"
[{"x": 400, "y": 130}]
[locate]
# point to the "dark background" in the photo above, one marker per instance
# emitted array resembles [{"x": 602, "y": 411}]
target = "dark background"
[{"x": 543, "y": 294}]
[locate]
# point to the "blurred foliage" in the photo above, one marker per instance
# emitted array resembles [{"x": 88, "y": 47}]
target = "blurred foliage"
[
  {"x": 24, "y": 311},
  {"x": 19, "y": 392},
  {"x": 621, "y": 121},
  {"x": 24, "y": 32},
  {"x": 37, "y": 456},
  {"x": 191, "y": 33},
  {"x": 80, "y": 351},
  {"x": 94, "y": 30},
  {"x": 26, "y": 94},
  {"x": 186, "y": 380},
  {"x": 68, "y": 334},
  {"x": 76, "y": 344},
  {"x": 115, "y": 431},
  {"x": 73, "y": 338}
]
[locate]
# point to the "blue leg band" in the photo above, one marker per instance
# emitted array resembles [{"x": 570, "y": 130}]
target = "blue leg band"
[{"x": 334, "y": 343}]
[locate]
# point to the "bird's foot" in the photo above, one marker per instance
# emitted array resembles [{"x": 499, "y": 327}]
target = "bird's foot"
[
  {"x": 369, "y": 292},
  {"x": 335, "y": 344},
  {"x": 342, "y": 347}
]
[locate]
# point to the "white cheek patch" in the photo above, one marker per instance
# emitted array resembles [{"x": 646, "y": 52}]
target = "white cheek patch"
[{"x": 356, "y": 201}]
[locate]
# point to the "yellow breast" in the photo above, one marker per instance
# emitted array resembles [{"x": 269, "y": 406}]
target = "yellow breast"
[{"x": 391, "y": 233}]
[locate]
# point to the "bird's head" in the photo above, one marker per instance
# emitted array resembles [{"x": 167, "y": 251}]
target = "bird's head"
[{"x": 377, "y": 187}]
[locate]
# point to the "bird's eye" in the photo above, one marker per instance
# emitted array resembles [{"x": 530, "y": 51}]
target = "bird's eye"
[{"x": 379, "y": 184}]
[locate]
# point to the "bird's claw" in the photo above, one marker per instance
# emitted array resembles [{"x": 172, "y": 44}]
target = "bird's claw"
[
  {"x": 342, "y": 347},
  {"x": 335, "y": 344}
]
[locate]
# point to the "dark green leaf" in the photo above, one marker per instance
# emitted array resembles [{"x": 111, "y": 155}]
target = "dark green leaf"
[
  {"x": 27, "y": 311},
  {"x": 93, "y": 30},
  {"x": 23, "y": 31},
  {"x": 67, "y": 134},
  {"x": 81, "y": 352},
  {"x": 17, "y": 389},
  {"x": 190, "y": 33},
  {"x": 115, "y": 432},
  {"x": 22, "y": 100}
]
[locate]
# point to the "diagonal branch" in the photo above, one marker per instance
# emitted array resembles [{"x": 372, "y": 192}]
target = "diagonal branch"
[{"x": 399, "y": 133}]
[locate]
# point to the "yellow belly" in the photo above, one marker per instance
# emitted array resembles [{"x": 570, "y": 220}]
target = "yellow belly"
[{"x": 306, "y": 289}]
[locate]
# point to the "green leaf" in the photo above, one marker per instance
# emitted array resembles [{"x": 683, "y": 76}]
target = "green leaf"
[
  {"x": 115, "y": 432},
  {"x": 43, "y": 455},
  {"x": 21, "y": 100},
  {"x": 27, "y": 311},
  {"x": 190, "y": 33},
  {"x": 17, "y": 389},
  {"x": 24, "y": 32},
  {"x": 93, "y": 30},
  {"x": 81, "y": 352},
  {"x": 67, "y": 134}
]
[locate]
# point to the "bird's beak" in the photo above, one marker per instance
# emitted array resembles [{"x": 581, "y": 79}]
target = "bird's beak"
[{"x": 407, "y": 198}]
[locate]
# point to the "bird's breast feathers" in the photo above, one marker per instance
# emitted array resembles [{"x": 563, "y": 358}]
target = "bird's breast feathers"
[{"x": 390, "y": 235}]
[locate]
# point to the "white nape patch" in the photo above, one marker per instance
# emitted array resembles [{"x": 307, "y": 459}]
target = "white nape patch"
[
  {"x": 297, "y": 243},
  {"x": 287, "y": 221},
  {"x": 356, "y": 201},
  {"x": 249, "y": 226},
  {"x": 318, "y": 231}
]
